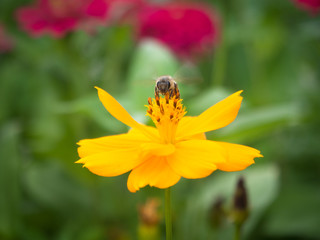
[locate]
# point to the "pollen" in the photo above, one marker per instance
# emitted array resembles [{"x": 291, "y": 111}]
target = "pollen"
[{"x": 166, "y": 113}]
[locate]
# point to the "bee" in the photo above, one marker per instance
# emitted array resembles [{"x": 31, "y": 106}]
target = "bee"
[{"x": 166, "y": 86}]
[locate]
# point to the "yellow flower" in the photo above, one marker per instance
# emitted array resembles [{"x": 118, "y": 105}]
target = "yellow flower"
[{"x": 177, "y": 147}]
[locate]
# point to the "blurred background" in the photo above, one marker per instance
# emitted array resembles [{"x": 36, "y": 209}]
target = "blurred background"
[{"x": 53, "y": 53}]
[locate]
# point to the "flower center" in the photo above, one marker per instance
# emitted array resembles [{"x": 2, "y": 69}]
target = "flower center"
[{"x": 166, "y": 113}]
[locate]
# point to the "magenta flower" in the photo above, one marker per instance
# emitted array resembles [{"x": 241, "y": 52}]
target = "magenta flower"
[
  {"x": 125, "y": 11},
  {"x": 312, "y": 6},
  {"x": 188, "y": 29},
  {"x": 119, "y": 12},
  {"x": 98, "y": 9},
  {"x": 6, "y": 42},
  {"x": 57, "y": 17}
]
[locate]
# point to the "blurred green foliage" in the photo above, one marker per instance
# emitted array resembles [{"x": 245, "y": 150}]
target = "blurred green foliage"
[{"x": 269, "y": 48}]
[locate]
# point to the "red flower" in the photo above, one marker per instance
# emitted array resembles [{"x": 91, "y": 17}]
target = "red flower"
[
  {"x": 57, "y": 17},
  {"x": 311, "y": 5},
  {"x": 187, "y": 29},
  {"x": 6, "y": 42}
]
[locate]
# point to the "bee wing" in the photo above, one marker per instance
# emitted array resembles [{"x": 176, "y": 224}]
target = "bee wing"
[{"x": 188, "y": 73}]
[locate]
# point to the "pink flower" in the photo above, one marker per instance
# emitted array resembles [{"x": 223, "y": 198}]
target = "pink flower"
[
  {"x": 125, "y": 11},
  {"x": 188, "y": 29},
  {"x": 57, "y": 17},
  {"x": 98, "y": 9},
  {"x": 119, "y": 12},
  {"x": 310, "y": 5},
  {"x": 6, "y": 42}
]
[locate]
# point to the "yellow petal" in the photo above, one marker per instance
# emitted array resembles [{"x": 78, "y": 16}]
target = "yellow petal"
[
  {"x": 154, "y": 131},
  {"x": 116, "y": 110},
  {"x": 199, "y": 136},
  {"x": 239, "y": 157},
  {"x": 158, "y": 149},
  {"x": 196, "y": 158},
  {"x": 113, "y": 163},
  {"x": 215, "y": 117},
  {"x": 109, "y": 143},
  {"x": 154, "y": 172}
]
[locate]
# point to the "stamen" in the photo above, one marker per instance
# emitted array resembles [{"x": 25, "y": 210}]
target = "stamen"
[
  {"x": 166, "y": 111},
  {"x": 175, "y": 102},
  {"x": 158, "y": 100},
  {"x": 167, "y": 98},
  {"x": 161, "y": 109}
]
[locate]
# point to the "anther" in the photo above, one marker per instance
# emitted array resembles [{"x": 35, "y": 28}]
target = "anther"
[
  {"x": 167, "y": 98},
  {"x": 175, "y": 103},
  {"x": 150, "y": 111},
  {"x": 150, "y": 101},
  {"x": 158, "y": 100},
  {"x": 161, "y": 109}
]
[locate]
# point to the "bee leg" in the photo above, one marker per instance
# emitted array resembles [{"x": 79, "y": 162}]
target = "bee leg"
[
  {"x": 167, "y": 97},
  {"x": 156, "y": 92},
  {"x": 171, "y": 93},
  {"x": 176, "y": 91},
  {"x": 156, "y": 96}
]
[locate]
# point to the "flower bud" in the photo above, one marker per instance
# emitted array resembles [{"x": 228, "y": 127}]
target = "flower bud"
[
  {"x": 240, "y": 210},
  {"x": 149, "y": 220},
  {"x": 217, "y": 213}
]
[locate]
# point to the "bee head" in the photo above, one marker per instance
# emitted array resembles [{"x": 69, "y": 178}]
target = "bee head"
[{"x": 164, "y": 83}]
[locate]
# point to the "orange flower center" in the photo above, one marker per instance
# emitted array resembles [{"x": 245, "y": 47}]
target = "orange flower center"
[{"x": 166, "y": 113}]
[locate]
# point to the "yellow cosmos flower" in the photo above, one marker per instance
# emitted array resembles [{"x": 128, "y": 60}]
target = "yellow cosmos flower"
[{"x": 177, "y": 147}]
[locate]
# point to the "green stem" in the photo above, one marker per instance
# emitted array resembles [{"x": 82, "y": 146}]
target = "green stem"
[
  {"x": 237, "y": 232},
  {"x": 168, "y": 214}
]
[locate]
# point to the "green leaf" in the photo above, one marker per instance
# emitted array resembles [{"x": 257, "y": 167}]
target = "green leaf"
[
  {"x": 254, "y": 123},
  {"x": 10, "y": 165},
  {"x": 92, "y": 107},
  {"x": 293, "y": 214},
  {"x": 49, "y": 185},
  {"x": 207, "y": 99}
]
